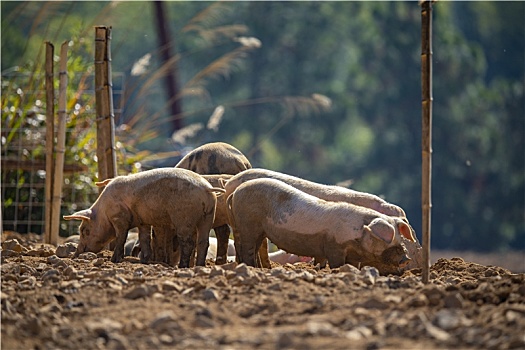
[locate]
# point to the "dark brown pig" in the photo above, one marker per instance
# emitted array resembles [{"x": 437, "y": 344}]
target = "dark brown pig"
[
  {"x": 175, "y": 199},
  {"x": 214, "y": 159},
  {"x": 305, "y": 225}
]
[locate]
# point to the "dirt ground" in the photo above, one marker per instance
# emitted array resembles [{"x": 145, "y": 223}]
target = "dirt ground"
[{"x": 50, "y": 302}]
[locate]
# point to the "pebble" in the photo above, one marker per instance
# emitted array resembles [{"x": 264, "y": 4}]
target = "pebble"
[
  {"x": 453, "y": 301},
  {"x": 210, "y": 294},
  {"x": 29, "y": 283},
  {"x": 13, "y": 245},
  {"x": 98, "y": 261},
  {"x": 170, "y": 285},
  {"x": 374, "y": 303},
  {"x": 103, "y": 326},
  {"x": 165, "y": 321},
  {"x": 216, "y": 271},
  {"x": 88, "y": 256},
  {"x": 137, "y": 292},
  {"x": 369, "y": 274},
  {"x": 321, "y": 328},
  {"x": 349, "y": 268},
  {"x": 418, "y": 300},
  {"x": 71, "y": 272},
  {"x": 433, "y": 331},
  {"x": 42, "y": 251},
  {"x": 229, "y": 266},
  {"x": 56, "y": 261},
  {"x": 359, "y": 333},
  {"x": 242, "y": 270},
  {"x": 202, "y": 270},
  {"x": 447, "y": 319},
  {"x": 32, "y": 325},
  {"x": 434, "y": 295},
  {"x": 185, "y": 273},
  {"x": 52, "y": 275},
  {"x": 8, "y": 253},
  {"x": 66, "y": 250}
]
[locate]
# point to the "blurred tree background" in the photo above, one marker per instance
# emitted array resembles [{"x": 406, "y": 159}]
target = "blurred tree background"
[{"x": 362, "y": 56}]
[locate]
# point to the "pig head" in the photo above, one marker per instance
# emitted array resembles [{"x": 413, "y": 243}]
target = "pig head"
[
  {"x": 95, "y": 233},
  {"x": 382, "y": 246}
]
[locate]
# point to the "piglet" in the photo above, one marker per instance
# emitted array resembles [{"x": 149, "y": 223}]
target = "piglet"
[
  {"x": 305, "y": 225},
  {"x": 175, "y": 199}
]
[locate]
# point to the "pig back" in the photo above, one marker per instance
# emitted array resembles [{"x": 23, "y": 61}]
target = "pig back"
[
  {"x": 160, "y": 196},
  {"x": 295, "y": 221},
  {"x": 215, "y": 158}
]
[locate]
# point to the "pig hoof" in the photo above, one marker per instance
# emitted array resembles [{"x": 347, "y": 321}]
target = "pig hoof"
[
  {"x": 220, "y": 260},
  {"x": 116, "y": 259}
]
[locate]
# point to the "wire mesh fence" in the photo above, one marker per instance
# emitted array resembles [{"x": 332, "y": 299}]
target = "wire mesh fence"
[{"x": 23, "y": 164}]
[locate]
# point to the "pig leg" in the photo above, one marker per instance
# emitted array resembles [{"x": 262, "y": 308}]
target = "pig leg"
[
  {"x": 223, "y": 234},
  {"x": 320, "y": 261},
  {"x": 335, "y": 254},
  {"x": 170, "y": 236},
  {"x": 118, "y": 253},
  {"x": 158, "y": 245},
  {"x": 203, "y": 238},
  {"x": 249, "y": 247},
  {"x": 175, "y": 255},
  {"x": 336, "y": 259},
  {"x": 145, "y": 241},
  {"x": 263, "y": 257},
  {"x": 186, "y": 241}
]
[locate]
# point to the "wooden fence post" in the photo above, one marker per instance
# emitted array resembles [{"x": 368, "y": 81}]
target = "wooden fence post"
[
  {"x": 107, "y": 161},
  {"x": 50, "y": 141},
  {"x": 61, "y": 144},
  {"x": 426, "y": 89}
]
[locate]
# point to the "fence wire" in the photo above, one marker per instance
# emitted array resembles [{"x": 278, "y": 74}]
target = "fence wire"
[{"x": 23, "y": 171}]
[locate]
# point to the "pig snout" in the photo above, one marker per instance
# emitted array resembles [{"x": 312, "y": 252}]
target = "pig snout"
[
  {"x": 81, "y": 248},
  {"x": 405, "y": 260}
]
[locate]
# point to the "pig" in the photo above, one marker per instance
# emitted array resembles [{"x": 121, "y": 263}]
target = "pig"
[
  {"x": 333, "y": 194},
  {"x": 212, "y": 249},
  {"x": 176, "y": 199},
  {"x": 216, "y": 158},
  {"x": 283, "y": 258},
  {"x": 326, "y": 192},
  {"x": 221, "y": 220},
  {"x": 305, "y": 225}
]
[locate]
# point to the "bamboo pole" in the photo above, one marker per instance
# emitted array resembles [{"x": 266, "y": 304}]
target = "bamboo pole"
[
  {"x": 61, "y": 144},
  {"x": 426, "y": 89},
  {"x": 50, "y": 140},
  {"x": 107, "y": 161}
]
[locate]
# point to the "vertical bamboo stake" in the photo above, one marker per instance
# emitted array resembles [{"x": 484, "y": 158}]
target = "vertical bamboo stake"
[
  {"x": 50, "y": 140},
  {"x": 107, "y": 161},
  {"x": 426, "y": 89},
  {"x": 61, "y": 144}
]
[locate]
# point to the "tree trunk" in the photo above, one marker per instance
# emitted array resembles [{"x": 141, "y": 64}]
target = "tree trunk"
[{"x": 165, "y": 44}]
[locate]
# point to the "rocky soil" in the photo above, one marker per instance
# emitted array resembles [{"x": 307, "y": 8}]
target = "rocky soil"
[{"x": 50, "y": 301}]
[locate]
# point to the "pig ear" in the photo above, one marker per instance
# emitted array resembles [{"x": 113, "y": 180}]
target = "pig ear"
[
  {"x": 381, "y": 229},
  {"x": 406, "y": 231},
  {"x": 103, "y": 183},
  {"x": 80, "y": 215},
  {"x": 222, "y": 182}
]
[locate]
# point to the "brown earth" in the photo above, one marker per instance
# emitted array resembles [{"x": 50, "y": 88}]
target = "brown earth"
[{"x": 90, "y": 303}]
